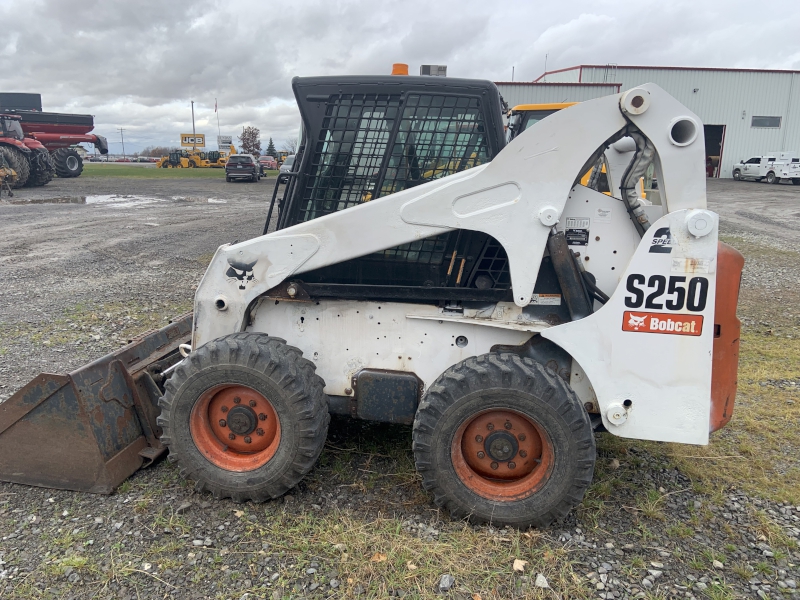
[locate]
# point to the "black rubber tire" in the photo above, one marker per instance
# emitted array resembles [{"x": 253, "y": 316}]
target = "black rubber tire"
[
  {"x": 771, "y": 179},
  {"x": 42, "y": 168},
  {"x": 796, "y": 181},
  {"x": 274, "y": 369},
  {"x": 504, "y": 381},
  {"x": 18, "y": 161},
  {"x": 737, "y": 175},
  {"x": 228, "y": 179},
  {"x": 68, "y": 162}
]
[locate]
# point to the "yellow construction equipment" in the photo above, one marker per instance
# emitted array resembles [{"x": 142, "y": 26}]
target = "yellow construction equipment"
[
  {"x": 175, "y": 160},
  {"x": 523, "y": 116},
  {"x": 8, "y": 177}
]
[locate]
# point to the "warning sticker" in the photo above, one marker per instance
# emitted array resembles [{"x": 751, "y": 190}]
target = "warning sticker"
[
  {"x": 546, "y": 299},
  {"x": 602, "y": 215},
  {"x": 691, "y": 265}
]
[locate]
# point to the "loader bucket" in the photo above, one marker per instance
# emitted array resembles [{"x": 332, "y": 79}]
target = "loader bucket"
[{"x": 90, "y": 430}]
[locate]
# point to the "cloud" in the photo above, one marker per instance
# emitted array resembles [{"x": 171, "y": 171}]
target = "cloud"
[{"x": 138, "y": 64}]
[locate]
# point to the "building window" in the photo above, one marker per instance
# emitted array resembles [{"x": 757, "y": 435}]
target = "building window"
[{"x": 766, "y": 122}]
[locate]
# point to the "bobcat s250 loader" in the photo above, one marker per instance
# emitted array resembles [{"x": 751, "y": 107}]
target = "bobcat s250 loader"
[{"x": 424, "y": 272}]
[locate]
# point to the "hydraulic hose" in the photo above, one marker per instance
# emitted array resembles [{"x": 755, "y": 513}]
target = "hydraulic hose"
[{"x": 642, "y": 158}]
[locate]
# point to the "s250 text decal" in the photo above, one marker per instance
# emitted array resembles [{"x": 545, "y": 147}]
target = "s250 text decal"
[{"x": 662, "y": 293}]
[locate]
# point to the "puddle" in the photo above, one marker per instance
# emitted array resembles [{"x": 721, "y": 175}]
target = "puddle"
[
  {"x": 65, "y": 200},
  {"x": 199, "y": 199},
  {"x": 121, "y": 201},
  {"x": 111, "y": 200}
]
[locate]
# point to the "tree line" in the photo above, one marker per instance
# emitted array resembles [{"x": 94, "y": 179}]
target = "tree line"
[{"x": 250, "y": 143}]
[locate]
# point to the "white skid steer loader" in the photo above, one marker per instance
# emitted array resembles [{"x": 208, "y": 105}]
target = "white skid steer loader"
[{"x": 423, "y": 272}]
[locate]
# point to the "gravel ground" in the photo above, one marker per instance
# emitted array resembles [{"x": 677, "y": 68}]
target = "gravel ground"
[{"x": 79, "y": 278}]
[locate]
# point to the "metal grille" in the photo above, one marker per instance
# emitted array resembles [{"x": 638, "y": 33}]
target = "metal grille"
[
  {"x": 493, "y": 263},
  {"x": 438, "y": 136},
  {"x": 428, "y": 251},
  {"x": 348, "y": 154}
]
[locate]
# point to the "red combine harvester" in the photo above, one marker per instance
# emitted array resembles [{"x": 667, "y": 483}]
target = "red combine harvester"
[
  {"x": 26, "y": 156},
  {"x": 56, "y": 132}
]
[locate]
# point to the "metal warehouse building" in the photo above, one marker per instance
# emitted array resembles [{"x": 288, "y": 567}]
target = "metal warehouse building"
[{"x": 745, "y": 112}]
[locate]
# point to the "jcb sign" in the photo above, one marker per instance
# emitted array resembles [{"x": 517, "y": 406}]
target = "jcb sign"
[{"x": 190, "y": 140}]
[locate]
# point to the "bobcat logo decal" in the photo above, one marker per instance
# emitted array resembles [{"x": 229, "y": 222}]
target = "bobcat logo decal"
[{"x": 241, "y": 272}]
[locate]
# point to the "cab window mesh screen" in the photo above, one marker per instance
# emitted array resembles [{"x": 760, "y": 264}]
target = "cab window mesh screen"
[
  {"x": 348, "y": 153},
  {"x": 438, "y": 135}
]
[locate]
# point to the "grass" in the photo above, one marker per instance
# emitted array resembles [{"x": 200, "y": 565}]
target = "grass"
[
  {"x": 757, "y": 451},
  {"x": 98, "y": 170}
]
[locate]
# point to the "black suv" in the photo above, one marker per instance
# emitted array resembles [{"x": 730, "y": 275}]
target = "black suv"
[{"x": 242, "y": 166}]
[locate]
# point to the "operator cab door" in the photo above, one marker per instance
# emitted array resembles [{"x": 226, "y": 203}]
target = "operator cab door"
[{"x": 371, "y": 136}]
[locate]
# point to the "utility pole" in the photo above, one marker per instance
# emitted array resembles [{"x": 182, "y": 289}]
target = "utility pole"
[
  {"x": 120, "y": 129},
  {"x": 512, "y": 74},
  {"x": 219, "y": 132},
  {"x": 194, "y": 134},
  {"x": 545, "y": 67}
]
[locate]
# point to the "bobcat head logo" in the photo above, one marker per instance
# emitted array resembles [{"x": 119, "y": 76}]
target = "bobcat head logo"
[
  {"x": 240, "y": 272},
  {"x": 636, "y": 322}
]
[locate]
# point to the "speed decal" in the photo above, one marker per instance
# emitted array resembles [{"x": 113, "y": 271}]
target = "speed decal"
[
  {"x": 662, "y": 293},
  {"x": 646, "y": 322},
  {"x": 662, "y": 241}
]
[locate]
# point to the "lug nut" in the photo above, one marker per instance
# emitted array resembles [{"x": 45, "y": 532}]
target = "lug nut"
[
  {"x": 252, "y": 403},
  {"x": 512, "y": 465},
  {"x": 507, "y": 425},
  {"x": 494, "y": 465},
  {"x": 479, "y": 438},
  {"x": 490, "y": 426},
  {"x": 262, "y": 417},
  {"x": 481, "y": 455},
  {"x": 523, "y": 454},
  {"x": 231, "y": 436},
  {"x": 222, "y": 422},
  {"x": 247, "y": 439},
  {"x": 521, "y": 437},
  {"x": 237, "y": 400},
  {"x": 259, "y": 431},
  {"x": 224, "y": 409}
]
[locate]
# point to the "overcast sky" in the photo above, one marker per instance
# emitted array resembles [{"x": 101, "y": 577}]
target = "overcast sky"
[{"x": 137, "y": 64}]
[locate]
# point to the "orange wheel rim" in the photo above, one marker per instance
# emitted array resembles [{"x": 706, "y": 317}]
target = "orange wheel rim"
[
  {"x": 502, "y": 455},
  {"x": 235, "y": 427}
]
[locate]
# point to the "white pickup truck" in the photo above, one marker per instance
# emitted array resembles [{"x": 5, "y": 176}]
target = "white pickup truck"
[{"x": 773, "y": 168}]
